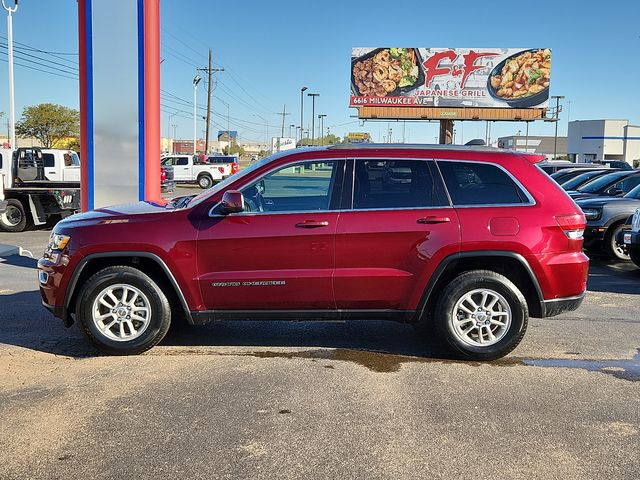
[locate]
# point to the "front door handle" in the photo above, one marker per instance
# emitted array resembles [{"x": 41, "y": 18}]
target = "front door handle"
[
  {"x": 312, "y": 224},
  {"x": 432, "y": 220}
]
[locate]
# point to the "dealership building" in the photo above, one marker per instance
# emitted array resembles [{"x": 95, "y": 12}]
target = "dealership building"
[
  {"x": 599, "y": 140},
  {"x": 538, "y": 144}
]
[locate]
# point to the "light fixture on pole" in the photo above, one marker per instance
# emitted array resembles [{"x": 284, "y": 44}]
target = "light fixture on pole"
[
  {"x": 12, "y": 108},
  {"x": 556, "y": 116},
  {"x": 302, "y": 90},
  {"x": 313, "y": 112},
  {"x": 196, "y": 81},
  {"x": 290, "y": 127}
]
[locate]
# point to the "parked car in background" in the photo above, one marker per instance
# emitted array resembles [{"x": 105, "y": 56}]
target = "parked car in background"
[
  {"x": 606, "y": 218},
  {"x": 619, "y": 164},
  {"x": 614, "y": 184},
  {"x": 581, "y": 180},
  {"x": 553, "y": 166},
  {"x": 631, "y": 238},
  {"x": 167, "y": 184},
  {"x": 567, "y": 174},
  {"x": 475, "y": 241},
  {"x": 193, "y": 169}
]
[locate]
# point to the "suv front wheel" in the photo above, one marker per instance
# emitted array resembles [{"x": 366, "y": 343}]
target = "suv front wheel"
[
  {"x": 123, "y": 311},
  {"x": 482, "y": 315}
]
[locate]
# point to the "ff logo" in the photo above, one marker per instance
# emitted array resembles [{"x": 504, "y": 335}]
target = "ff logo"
[{"x": 432, "y": 65}]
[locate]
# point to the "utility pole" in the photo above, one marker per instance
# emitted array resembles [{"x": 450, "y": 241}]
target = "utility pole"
[
  {"x": 12, "y": 108},
  {"x": 210, "y": 71},
  {"x": 284, "y": 114}
]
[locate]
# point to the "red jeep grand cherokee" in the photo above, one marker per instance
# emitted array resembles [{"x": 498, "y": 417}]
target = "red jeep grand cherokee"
[{"x": 466, "y": 241}]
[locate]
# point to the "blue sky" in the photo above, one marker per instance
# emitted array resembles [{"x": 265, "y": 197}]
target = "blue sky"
[{"x": 270, "y": 49}]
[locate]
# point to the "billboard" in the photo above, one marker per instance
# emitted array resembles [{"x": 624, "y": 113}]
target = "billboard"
[
  {"x": 514, "y": 78},
  {"x": 358, "y": 137},
  {"x": 280, "y": 144}
]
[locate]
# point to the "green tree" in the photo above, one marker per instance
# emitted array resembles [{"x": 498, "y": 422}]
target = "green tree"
[
  {"x": 49, "y": 123},
  {"x": 235, "y": 150}
]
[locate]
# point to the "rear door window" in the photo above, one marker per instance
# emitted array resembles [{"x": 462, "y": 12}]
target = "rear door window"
[
  {"x": 49, "y": 160},
  {"x": 395, "y": 184},
  {"x": 474, "y": 183}
]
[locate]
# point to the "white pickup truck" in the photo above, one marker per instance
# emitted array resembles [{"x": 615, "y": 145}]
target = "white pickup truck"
[
  {"x": 37, "y": 186},
  {"x": 192, "y": 169}
]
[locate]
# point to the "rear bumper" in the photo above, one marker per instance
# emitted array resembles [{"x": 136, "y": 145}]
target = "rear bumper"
[
  {"x": 631, "y": 240},
  {"x": 551, "y": 308}
]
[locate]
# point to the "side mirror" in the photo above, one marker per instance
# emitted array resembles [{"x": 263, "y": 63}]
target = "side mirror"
[{"x": 232, "y": 202}]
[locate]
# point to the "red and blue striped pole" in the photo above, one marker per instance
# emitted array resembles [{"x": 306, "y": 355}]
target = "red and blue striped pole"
[{"x": 119, "y": 101}]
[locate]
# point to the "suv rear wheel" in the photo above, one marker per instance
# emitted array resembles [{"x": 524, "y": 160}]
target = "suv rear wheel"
[
  {"x": 482, "y": 315},
  {"x": 205, "y": 181},
  {"x": 123, "y": 311}
]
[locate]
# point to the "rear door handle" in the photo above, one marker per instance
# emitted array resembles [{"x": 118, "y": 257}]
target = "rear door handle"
[
  {"x": 312, "y": 224},
  {"x": 432, "y": 220}
]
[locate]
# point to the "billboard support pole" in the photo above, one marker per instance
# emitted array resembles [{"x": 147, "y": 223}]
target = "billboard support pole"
[{"x": 446, "y": 132}]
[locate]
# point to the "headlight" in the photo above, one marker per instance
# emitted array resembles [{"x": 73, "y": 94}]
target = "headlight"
[
  {"x": 58, "y": 242},
  {"x": 591, "y": 213}
]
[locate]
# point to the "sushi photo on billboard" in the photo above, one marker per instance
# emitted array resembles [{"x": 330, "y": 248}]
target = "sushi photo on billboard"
[{"x": 450, "y": 77}]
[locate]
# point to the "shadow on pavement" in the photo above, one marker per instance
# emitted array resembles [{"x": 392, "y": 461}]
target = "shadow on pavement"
[
  {"x": 608, "y": 276},
  {"x": 19, "y": 261},
  {"x": 25, "y": 323}
]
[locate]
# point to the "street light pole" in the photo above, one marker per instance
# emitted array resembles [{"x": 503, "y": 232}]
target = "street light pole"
[
  {"x": 302, "y": 90},
  {"x": 196, "y": 81},
  {"x": 557, "y": 113},
  {"x": 313, "y": 113},
  {"x": 321, "y": 118},
  {"x": 12, "y": 108}
]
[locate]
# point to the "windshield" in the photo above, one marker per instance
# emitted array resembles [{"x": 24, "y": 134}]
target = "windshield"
[
  {"x": 602, "y": 183},
  {"x": 220, "y": 186},
  {"x": 634, "y": 194},
  {"x": 575, "y": 182}
]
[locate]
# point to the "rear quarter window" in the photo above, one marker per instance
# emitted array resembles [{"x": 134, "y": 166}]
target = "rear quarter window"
[{"x": 471, "y": 183}]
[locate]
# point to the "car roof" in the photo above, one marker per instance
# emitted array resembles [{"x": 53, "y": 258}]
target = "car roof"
[{"x": 397, "y": 148}]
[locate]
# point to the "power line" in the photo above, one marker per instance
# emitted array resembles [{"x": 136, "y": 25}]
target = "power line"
[
  {"x": 39, "y": 70},
  {"x": 19, "y": 53},
  {"x": 24, "y": 46}
]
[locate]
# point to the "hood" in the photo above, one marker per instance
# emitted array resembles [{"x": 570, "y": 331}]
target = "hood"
[
  {"x": 580, "y": 195},
  {"x": 120, "y": 213},
  {"x": 602, "y": 201}
]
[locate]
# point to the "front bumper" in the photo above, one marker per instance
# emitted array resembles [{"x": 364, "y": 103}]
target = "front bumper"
[
  {"x": 551, "y": 308},
  {"x": 3, "y": 206},
  {"x": 594, "y": 234}
]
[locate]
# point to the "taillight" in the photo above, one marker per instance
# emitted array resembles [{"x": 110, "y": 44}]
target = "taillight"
[
  {"x": 163, "y": 175},
  {"x": 221, "y": 169},
  {"x": 235, "y": 168},
  {"x": 572, "y": 225}
]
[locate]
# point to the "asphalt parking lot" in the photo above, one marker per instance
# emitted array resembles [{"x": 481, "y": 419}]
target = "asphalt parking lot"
[{"x": 319, "y": 400}]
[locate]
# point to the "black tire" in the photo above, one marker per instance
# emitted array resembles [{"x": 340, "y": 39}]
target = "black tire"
[
  {"x": 14, "y": 219},
  {"x": 475, "y": 280},
  {"x": 205, "y": 181},
  {"x": 158, "y": 323},
  {"x": 612, "y": 247},
  {"x": 635, "y": 257}
]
